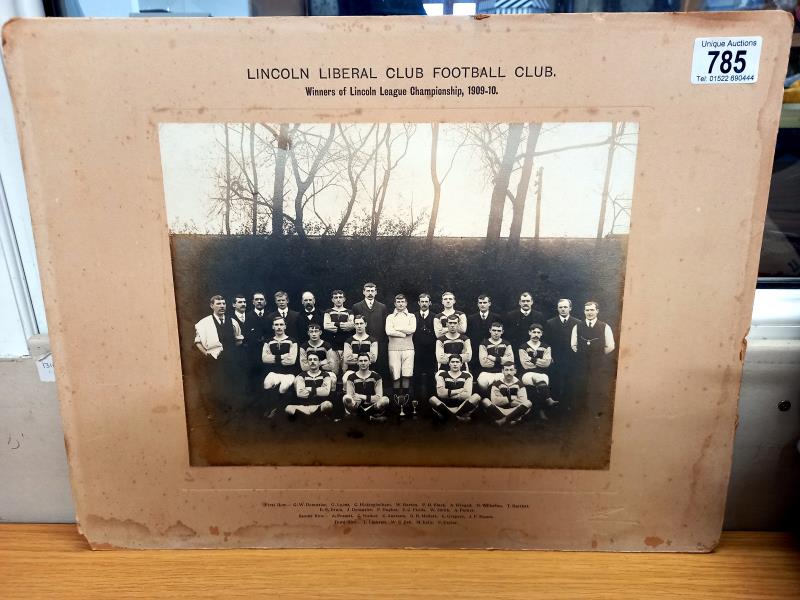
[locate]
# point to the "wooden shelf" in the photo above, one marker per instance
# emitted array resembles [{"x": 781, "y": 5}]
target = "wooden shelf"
[{"x": 53, "y": 561}]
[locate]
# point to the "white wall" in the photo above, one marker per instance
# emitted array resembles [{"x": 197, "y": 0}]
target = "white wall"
[{"x": 20, "y": 289}]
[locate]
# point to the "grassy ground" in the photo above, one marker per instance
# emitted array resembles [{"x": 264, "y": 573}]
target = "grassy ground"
[{"x": 577, "y": 439}]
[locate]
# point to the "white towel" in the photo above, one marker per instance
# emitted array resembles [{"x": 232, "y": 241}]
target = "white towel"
[{"x": 206, "y": 334}]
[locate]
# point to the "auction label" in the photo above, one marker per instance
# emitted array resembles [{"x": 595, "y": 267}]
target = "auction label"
[{"x": 726, "y": 60}]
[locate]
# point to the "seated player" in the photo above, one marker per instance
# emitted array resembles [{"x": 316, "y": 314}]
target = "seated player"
[
  {"x": 321, "y": 349},
  {"x": 454, "y": 395},
  {"x": 448, "y": 310},
  {"x": 452, "y": 342},
  {"x": 493, "y": 353},
  {"x": 364, "y": 392},
  {"x": 280, "y": 355},
  {"x": 359, "y": 343},
  {"x": 535, "y": 358},
  {"x": 507, "y": 402},
  {"x": 312, "y": 388}
]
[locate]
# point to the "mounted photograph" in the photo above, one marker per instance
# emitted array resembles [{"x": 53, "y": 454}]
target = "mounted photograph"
[{"x": 399, "y": 294}]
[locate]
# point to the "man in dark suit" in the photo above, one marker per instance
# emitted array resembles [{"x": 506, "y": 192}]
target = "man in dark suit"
[
  {"x": 517, "y": 322},
  {"x": 309, "y": 314},
  {"x": 258, "y": 330},
  {"x": 374, "y": 314},
  {"x": 257, "y": 319},
  {"x": 558, "y": 334},
  {"x": 242, "y": 370},
  {"x": 289, "y": 316},
  {"x": 424, "y": 351},
  {"x": 478, "y": 325},
  {"x": 240, "y": 314}
]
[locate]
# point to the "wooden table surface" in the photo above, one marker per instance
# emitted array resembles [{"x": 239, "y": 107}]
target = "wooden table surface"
[{"x": 53, "y": 561}]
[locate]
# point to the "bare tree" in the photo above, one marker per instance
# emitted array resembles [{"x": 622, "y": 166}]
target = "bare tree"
[
  {"x": 384, "y": 161},
  {"x": 617, "y": 132},
  {"x": 538, "y": 203},
  {"x": 227, "y": 180},
  {"x": 239, "y": 200},
  {"x": 320, "y": 226},
  {"x": 222, "y": 204},
  {"x": 282, "y": 146},
  {"x": 497, "y": 145},
  {"x": 502, "y": 180},
  {"x": 621, "y": 206},
  {"x": 247, "y": 185},
  {"x": 255, "y": 192},
  {"x": 438, "y": 183},
  {"x": 356, "y": 162},
  {"x": 518, "y": 200},
  {"x": 312, "y": 150}
]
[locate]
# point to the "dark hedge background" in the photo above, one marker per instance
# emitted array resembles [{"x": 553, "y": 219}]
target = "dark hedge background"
[{"x": 204, "y": 265}]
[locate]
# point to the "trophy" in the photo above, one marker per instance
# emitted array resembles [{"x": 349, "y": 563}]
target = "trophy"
[{"x": 402, "y": 402}]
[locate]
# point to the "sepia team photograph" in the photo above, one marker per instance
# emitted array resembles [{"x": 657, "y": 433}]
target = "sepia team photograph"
[{"x": 399, "y": 294}]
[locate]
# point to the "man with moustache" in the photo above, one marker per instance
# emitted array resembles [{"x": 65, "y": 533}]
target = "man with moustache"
[
  {"x": 478, "y": 326},
  {"x": 215, "y": 333},
  {"x": 558, "y": 333},
  {"x": 518, "y": 321},
  {"x": 257, "y": 319},
  {"x": 240, "y": 316},
  {"x": 374, "y": 314},
  {"x": 241, "y": 367},
  {"x": 216, "y": 338},
  {"x": 424, "y": 349},
  {"x": 309, "y": 314},
  {"x": 256, "y": 330}
]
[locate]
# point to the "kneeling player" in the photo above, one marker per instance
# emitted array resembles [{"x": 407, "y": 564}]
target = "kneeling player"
[
  {"x": 364, "y": 392},
  {"x": 313, "y": 387},
  {"x": 535, "y": 358},
  {"x": 493, "y": 353},
  {"x": 338, "y": 323},
  {"x": 280, "y": 356},
  {"x": 454, "y": 395},
  {"x": 321, "y": 349},
  {"x": 507, "y": 402},
  {"x": 452, "y": 342},
  {"x": 359, "y": 343}
]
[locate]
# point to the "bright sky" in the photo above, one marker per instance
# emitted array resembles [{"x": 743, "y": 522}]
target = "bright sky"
[{"x": 571, "y": 190}]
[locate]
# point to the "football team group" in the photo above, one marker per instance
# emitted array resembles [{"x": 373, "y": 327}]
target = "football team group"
[{"x": 371, "y": 362}]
